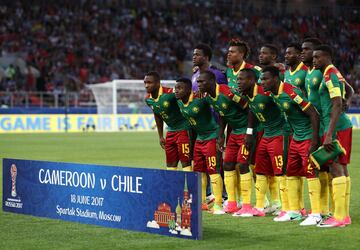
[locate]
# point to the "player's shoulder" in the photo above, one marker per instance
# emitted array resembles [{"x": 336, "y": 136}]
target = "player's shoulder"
[
  {"x": 224, "y": 89},
  {"x": 167, "y": 90},
  {"x": 147, "y": 96},
  {"x": 261, "y": 91},
  {"x": 289, "y": 89},
  {"x": 304, "y": 68},
  {"x": 330, "y": 71},
  {"x": 216, "y": 69}
]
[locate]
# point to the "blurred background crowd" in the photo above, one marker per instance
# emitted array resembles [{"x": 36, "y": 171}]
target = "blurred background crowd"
[{"x": 52, "y": 45}]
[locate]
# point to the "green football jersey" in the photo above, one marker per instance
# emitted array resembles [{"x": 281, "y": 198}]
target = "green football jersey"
[
  {"x": 198, "y": 112},
  {"x": 231, "y": 108},
  {"x": 332, "y": 85},
  {"x": 232, "y": 75},
  {"x": 166, "y": 107},
  {"x": 292, "y": 102},
  {"x": 266, "y": 112},
  {"x": 297, "y": 77},
  {"x": 312, "y": 83}
]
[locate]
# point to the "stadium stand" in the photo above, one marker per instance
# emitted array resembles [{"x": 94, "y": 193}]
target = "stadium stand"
[{"x": 49, "y": 46}]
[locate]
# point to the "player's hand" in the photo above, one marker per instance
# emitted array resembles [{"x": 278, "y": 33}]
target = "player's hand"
[
  {"x": 314, "y": 146},
  {"x": 249, "y": 141},
  {"x": 162, "y": 142},
  {"x": 328, "y": 143},
  {"x": 220, "y": 143}
]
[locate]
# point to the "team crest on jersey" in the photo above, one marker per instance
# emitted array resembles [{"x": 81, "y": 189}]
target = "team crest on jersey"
[
  {"x": 224, "y": 106},
  {"x": 261, "y": 106},
  {"x": 195, "y": 109},
  {"x": 166, "y": 104},
  {"x": 286, "y": 105},
  {"x": 297, "y": 81},
  {"x": 314, "y": 81}
]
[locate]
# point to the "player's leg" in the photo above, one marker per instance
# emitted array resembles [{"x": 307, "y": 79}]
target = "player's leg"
[
  {"x": 243, "y": 157},
  {"x": 293, "y": 175},
  {"x": 275, "y": 151},
  {"x": 324, "y": 190},
  {"x": 314, "y": 186},
  {"x": 341, "y": 183},
  {"x": 171, "y": 151},
  {"x": 200, "y": 166},
  {"x": 230, "y": 174},
  {"x": 213, "y": 168},
  {"x": 184, "y": 146}
]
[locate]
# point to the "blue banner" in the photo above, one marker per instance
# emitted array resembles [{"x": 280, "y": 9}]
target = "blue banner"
[{"x": 146, "y": 200}]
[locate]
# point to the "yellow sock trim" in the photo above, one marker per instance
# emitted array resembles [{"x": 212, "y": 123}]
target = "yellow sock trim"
[
  {"x": 331, "y": 194},
  {"x": 246, "y": 182},
  {"x": 229, "y": 179},
  {"x": 301, "y": 193},
  {"x": 172, "y": 168},
  {"x": 203, "y": 187},
  {"x": 314, "y": 194},
  {"x": 187, "y": 169},
  {"x": 217, "y": 187},
  {"x": 293, "y": 185},
  {"x": 339, "y": 190},
  {"x": 283, "y": 193},
  {"x": 347, "y": 197},
  {"x": 274, "y": 188},
  {"x": 261, "y": 186},
  {"x": 324, "y": 192},
  {"x": 237, "y": 183}
]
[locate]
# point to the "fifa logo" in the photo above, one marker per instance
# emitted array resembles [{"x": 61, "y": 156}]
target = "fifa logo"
[{"x": 13, "y": 172}]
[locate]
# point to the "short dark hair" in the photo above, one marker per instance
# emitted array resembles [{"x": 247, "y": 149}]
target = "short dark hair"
[
  {"x": 206, "y": 49},
  {"x": 154, "y": 74},
  {"x": 273, "y": 49},
  {"x": 242, "y": 45},
  {"x": 315, "y": 41},
  {"x": 210, "y": 75},
  {"x": 274, "y": 71},
  {"x": 325, "y": 48},
  {"x": 249, "y": 72},
  {"x": 185, "y": 80},
  {"x": 296, "y": 46}
]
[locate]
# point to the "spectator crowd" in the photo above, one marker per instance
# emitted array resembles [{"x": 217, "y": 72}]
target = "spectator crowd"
[{"x": 72, "y": 43}]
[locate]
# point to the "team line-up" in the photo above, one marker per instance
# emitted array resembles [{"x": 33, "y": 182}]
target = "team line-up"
[{"x": 271, "y": 119}]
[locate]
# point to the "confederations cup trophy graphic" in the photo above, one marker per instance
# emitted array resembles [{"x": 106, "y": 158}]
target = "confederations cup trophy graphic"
[{"x": 13, "y": 171}]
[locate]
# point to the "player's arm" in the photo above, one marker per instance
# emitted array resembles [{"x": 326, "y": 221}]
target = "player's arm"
[
  {"x": 333, "y": 86},
  {"x": 312, "y": 113},
  {"x": 334, "y": 117},
  {"x": 221, "y": 139},
  {"x": 160, "y": 128},
  {"x": 349, "y": 91},
  {"x": 315, "y": 124},
  {"x": 249, "y": 137}
]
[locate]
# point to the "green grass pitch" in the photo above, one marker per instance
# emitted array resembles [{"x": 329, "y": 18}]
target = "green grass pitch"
[{"x": 143, "y": 150}]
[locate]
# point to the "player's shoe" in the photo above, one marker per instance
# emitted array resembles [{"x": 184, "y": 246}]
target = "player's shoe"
[
  {"x": 288, "y": 216},
  {"x": 281, "y": 213},
  {"x": 245, "y": 211},
  {"x": 347, "y": 220},
  {"x": 217, "y": 209},
  {"x": 331, "y": 222},
  {"x": 204, "y": 207},
  {"x": 303, "y": 212},
  {"x": 311, "y": 220},
  {"x": 231, "y": 207},
  {"x": 258, "y": 212},
  {"x": 274, "y": 208},
  {"x": 210, "y": 199}
]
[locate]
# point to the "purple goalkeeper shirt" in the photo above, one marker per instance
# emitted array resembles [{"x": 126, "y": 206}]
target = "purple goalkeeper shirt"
[{"x": 220, "y": 77}]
